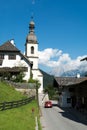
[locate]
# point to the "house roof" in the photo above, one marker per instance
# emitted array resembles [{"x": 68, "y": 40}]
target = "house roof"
[
  {"x": 66, "y": 81},
  {"x": 84, "y": 59},
  {"x": 8, "y": 47}
]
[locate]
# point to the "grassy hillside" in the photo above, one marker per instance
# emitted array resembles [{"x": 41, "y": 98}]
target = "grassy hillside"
[
  {"x": 20, "y": 118},
  {"x": 8, "y": 93}
]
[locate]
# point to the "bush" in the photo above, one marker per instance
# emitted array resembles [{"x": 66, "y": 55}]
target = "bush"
[
  {"x": 31, "y": 80},
  {"x": 51, "y": 92},
  {"x": 19, "y": 77}
]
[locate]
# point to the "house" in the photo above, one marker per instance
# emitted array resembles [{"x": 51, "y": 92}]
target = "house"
[
  {"x": 71, "y": 91},
  {"x": 13, "y": 61}
]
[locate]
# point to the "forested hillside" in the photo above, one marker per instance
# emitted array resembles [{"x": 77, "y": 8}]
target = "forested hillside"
[{"x": 47, "y": 79}]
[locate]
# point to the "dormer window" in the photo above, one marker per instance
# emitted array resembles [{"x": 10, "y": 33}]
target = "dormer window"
[
  {"x": 1, "y": 56},
  {"x": 12, "y": 56},
  {"x": 32, "y": 50}
]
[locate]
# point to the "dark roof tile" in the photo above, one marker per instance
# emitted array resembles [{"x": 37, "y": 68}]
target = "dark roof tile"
[
  {"x": 66, "y": 81},
  {"x": 8, "y": 46}
]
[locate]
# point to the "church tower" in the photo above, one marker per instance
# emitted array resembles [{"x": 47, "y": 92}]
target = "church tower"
[
  {"x": 31, "y": 52},
  {"x": 31, "y": 46}
]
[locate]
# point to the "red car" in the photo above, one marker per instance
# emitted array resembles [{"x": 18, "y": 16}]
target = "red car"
[{"x": 48, "y": 104}]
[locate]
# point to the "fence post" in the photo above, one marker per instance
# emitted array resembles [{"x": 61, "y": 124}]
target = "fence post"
[
  {"x": 3, "y": 106},
  {"x": 13, "y": 104}
]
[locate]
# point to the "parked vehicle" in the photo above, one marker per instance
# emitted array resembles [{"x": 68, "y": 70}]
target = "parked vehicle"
[{"x": 48, "y": 104}]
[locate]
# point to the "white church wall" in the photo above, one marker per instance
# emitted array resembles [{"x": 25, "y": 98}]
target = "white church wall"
[
  {"x": 40, "y": 78},
  {"x": 29, "y": 45},
  {"x": 37, "y": 75},
  {"x": 35, "y": 63}
]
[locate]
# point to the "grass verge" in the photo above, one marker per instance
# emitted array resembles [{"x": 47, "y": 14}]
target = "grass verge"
[{"x": 20, "y": 118}]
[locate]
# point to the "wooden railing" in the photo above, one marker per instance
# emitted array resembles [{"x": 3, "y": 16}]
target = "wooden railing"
[{"x": 15, "y": 104}]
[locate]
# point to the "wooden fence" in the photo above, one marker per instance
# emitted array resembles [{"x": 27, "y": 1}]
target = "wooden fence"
[{"x": 15, "y": 104}]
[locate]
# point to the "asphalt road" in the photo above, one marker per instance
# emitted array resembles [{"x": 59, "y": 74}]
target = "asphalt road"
[{"x": 58, "y": 119}]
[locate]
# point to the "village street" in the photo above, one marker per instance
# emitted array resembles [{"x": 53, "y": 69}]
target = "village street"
[{"x": 57, "y": 119}]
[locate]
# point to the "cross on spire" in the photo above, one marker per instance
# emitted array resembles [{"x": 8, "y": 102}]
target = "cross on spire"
[{"x": 32, "y": 16}]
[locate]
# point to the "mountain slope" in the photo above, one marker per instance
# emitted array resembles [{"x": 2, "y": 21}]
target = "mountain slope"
[
  {"x": 47, "y": 79},
  {"x": 74, "y": 73}
]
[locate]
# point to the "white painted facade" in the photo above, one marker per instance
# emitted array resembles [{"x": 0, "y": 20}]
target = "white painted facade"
[
  {"x": 16, "y": 63},
  {"x": 30, "y": 57},
  {"x": 37, "y": 75},
  {"x": 35, "y": 62}
]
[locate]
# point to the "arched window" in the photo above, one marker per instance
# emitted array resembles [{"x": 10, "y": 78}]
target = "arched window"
[{"x": 32, "y": 50}]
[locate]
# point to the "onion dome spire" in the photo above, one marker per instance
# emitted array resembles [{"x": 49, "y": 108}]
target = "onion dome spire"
[{"x": 31, "y": 36}]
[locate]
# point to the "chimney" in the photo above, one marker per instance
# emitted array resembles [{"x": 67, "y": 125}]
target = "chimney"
[
  {"x": 12, "y": 42},
  {"x": 78, "y": 75}
]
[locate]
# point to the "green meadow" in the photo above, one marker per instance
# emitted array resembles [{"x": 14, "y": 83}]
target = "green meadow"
[{"x": 20, "y": 118}]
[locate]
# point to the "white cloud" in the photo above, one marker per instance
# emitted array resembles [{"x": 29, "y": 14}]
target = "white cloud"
[
  {"x": 46, "y": 55},
  {"x": 60, "y": 62}
]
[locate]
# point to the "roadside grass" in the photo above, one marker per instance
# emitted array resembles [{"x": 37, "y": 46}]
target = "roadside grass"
[{"x": 21, "y": 118}]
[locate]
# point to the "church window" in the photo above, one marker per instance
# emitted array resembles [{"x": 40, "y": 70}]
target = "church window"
[
  {"x": 32, "y": 50},
  {"x": 31, "y": 64}
]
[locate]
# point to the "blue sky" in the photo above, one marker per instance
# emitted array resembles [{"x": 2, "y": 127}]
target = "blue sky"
[{"x": 61, "y": 29}]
